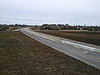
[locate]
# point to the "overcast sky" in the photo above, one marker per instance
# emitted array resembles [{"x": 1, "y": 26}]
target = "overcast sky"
[{"x": 50, "y": 11}]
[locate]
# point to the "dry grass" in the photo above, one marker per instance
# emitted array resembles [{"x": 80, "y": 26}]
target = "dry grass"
[
  {"x": 21, "y": 55},
  {"x": 83, "y": 36}
]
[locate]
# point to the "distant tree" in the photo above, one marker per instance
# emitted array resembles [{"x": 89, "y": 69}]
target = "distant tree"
[{"x": 4, "y": 27}]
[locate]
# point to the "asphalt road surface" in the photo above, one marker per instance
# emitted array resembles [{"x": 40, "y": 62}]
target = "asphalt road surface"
[{"x": 87, "y": 53}]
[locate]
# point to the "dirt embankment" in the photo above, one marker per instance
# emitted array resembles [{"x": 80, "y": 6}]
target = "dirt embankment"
[
  {"x": 83, "y": 36},
  {"x": 21, "y": 55}
]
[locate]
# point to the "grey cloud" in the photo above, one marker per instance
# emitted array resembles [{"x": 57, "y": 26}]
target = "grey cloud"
[{"x": 50, "y": 11}]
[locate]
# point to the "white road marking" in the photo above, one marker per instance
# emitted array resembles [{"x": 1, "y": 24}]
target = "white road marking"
[
  {"x": 93, "y": 61},
  {"x": 53, "y": 38},
  {"x": 81, "y": 46}
]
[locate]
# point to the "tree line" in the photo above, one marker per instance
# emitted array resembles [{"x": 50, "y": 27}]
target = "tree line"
[
  {"x": 6, "y": 27},
  {"x": 66, "y": 27}
]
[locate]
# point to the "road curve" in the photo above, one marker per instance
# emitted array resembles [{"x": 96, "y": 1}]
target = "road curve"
[{"x": 87, "y": 53}]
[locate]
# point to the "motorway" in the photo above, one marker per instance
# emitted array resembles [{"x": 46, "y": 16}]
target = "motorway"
[{"x": 87, "y": 53}]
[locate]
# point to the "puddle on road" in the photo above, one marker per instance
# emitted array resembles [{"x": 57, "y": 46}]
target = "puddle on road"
[{"x": 92, "y": 53}]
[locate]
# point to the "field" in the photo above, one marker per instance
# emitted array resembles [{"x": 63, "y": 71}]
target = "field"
[
  {"x": 83, "y": 36},
  {"x": 21, "y": 55}
]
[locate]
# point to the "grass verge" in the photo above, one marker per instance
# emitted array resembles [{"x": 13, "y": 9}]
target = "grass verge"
[{"x": 21, "y": 55}]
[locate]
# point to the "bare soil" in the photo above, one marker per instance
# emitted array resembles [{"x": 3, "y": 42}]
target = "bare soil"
[{"x": 21, "y": 55}]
